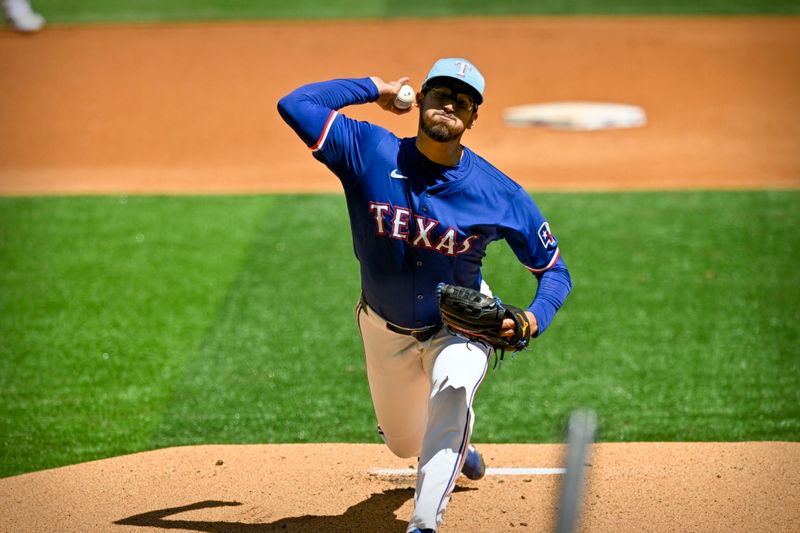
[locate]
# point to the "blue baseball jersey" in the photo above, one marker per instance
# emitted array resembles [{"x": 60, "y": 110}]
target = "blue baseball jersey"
[{"x": 416, "y": 223}]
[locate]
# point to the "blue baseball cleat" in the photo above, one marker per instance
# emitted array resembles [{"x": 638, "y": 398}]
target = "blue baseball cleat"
[
  {"x": 474, "y": 467},
  {"x": 418, "y": 530}
]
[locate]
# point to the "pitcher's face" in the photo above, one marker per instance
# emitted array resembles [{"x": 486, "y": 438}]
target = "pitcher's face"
[{"x": 446, "y": 112}]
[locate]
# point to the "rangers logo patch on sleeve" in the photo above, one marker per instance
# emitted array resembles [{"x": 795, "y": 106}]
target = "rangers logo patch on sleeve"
[{"x": 548, "y": 241}]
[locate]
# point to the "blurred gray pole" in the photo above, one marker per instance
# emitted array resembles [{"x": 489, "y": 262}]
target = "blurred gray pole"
[{"x": 580, "y": 436}]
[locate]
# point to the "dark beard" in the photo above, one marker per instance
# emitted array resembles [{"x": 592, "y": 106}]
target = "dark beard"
[{"x": 438, "y": 132}]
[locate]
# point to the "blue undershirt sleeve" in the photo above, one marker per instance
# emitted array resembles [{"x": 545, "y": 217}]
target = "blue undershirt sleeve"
[
  {"x": 554, "y": 286},
  {"x": 309, "y": 108}
]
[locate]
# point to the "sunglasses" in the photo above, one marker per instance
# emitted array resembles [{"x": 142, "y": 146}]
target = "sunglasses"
[{"x": 462, "y": 101}]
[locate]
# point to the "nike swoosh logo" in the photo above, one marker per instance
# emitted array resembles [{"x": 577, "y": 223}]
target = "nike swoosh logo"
[{"x": 395, "y": 174}]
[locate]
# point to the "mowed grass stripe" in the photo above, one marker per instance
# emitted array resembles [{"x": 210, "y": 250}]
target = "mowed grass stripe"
[
  {"x": 102, "y": 301},
  {"x": 282, "y": 362}
]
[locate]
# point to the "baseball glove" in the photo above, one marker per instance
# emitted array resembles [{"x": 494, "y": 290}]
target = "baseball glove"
[{"x": 479, "y": 317}]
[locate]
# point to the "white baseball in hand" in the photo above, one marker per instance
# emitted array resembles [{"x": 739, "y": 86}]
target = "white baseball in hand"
[{"x": 404, "y": 98}]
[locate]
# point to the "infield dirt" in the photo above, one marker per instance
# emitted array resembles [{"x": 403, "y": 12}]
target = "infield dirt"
[
  {"x": 189, "y": 109},
  {"x": 192, "y": 108}
]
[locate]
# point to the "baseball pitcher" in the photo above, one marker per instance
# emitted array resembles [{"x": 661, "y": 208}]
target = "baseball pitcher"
[{"x": 422, "y": 211}]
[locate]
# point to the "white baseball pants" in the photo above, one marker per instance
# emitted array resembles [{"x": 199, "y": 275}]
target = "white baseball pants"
[{"x": 422, "y": 393}]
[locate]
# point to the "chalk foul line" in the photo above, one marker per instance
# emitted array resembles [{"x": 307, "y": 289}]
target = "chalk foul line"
[{"x": 489, "y": 471}]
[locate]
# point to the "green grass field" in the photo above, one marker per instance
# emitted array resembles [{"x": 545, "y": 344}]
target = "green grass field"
[
  {"x": 83, "y": 11},
  {"x": 133, "y": 323}
]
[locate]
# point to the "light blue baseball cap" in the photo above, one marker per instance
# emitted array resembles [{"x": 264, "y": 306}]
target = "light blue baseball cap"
[{"x": 459, "y": 69}]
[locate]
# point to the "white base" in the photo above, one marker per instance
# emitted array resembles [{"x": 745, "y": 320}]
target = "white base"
[{"x": 576, "y": 115}]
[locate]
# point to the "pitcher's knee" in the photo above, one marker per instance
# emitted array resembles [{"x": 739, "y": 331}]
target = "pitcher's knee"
[
  {"x": 404, "y": 451},
  {"x": 403, "y": 447}
]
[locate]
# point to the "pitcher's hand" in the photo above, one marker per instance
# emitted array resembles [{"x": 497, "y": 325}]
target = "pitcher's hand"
[{"x": 388, "y": 92}]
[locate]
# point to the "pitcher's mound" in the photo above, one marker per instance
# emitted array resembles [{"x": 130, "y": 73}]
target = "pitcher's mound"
[{"x": 339, "y": 487}]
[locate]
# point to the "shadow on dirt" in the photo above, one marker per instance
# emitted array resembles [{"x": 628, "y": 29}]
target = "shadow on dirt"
[{"x": 376, "y": 513}]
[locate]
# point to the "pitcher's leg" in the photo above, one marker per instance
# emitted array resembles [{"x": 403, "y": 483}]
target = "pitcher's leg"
[
  {"x": 457, "y": 370},
  {"x": 398, "y": 384}
]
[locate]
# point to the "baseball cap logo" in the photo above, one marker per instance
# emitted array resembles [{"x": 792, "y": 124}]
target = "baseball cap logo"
[{"x": 462, "y": 68}]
